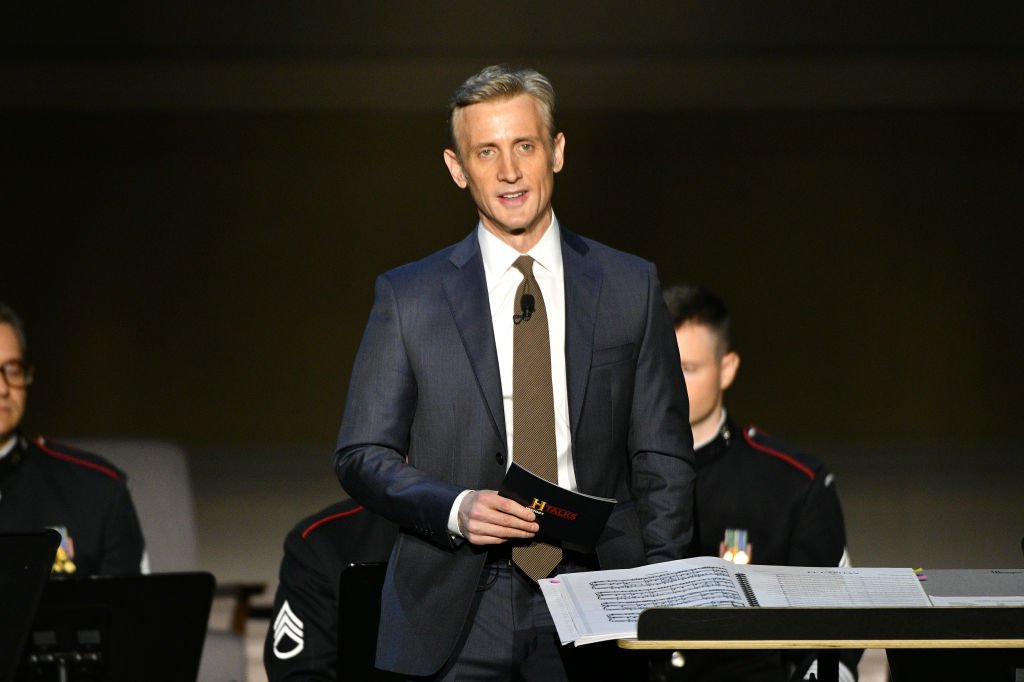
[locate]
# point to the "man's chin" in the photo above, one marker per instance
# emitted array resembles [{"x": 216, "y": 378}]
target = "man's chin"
[{"x": 516, "y": 229}]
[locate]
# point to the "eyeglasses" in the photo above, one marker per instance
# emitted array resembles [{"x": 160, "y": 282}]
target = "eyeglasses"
[{"x": 17, "y": 373}]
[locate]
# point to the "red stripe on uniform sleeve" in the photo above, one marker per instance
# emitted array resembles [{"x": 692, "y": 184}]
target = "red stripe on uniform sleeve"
[
  {"x": 78, "y": 460},
  {"x": 775, "y": 453},
  {"x": 324, "y": 520}
]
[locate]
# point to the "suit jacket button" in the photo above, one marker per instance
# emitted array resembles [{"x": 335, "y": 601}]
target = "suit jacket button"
[{"x": 500, "y": 457}]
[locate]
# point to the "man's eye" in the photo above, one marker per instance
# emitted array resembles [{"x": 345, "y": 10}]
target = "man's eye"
[
  {"x": 486, "y": 153},
  {"x": 526, "y": 147}
]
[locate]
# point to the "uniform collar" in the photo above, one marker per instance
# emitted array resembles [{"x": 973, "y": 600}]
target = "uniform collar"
[
  {"x": 12, "y": 459},
  {"x": 712, "y": 449},
  {"x": 9, "y": 446}
]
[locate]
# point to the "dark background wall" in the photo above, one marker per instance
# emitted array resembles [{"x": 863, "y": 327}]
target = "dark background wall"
[{"x": 196, "y": 204}]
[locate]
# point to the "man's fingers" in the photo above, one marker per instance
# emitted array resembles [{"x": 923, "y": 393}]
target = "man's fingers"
[
  {"x": 487, "y": 518},
  {"x": 513, "y": 508}
]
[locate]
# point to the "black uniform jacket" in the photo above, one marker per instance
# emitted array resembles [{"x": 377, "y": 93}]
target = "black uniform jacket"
[
  {"x": 785, "y": 500},
  {"x": 301, "y": 642},
  {"x": 51, "y": 485},
  {"x": 786, "y": 505}
]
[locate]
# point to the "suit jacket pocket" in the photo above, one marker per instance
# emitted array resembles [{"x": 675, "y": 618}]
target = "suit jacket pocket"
[{"x": 613, "y": 354}]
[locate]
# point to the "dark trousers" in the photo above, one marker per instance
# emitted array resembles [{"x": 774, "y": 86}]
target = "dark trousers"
[{"x": 510, "y": 637}]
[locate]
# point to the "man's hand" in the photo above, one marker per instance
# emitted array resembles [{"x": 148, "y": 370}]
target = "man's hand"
[{"x": 487, "y": 518}]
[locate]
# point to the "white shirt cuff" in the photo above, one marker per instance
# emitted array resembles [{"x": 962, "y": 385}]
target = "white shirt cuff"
[{"x": 453, "y": 515}]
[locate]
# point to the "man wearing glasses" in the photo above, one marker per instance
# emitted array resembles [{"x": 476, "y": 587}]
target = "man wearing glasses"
[{"x": 48, "y": 485}]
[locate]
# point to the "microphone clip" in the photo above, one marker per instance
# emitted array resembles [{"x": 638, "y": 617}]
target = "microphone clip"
[{"x": 527, "y": 304}]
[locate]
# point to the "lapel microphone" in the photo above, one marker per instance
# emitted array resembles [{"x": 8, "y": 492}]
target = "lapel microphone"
[{"x": 527, "y": 304}]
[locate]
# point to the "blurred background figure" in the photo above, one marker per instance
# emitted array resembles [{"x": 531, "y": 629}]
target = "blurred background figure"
[
  {"x": 50, "y": 485},
  {"x": 302, "y": 640},
  {"x": 757, "y": 500}
]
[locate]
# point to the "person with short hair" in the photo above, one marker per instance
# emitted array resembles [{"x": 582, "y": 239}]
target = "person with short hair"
[
  {"x": 523, "y": 342},
  {"x": 758, "y": 500},
  {"x": 44, "y": 484}
]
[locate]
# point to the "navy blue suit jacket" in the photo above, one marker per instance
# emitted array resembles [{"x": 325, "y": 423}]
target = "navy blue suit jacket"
[{"x": 424, "y": 421}]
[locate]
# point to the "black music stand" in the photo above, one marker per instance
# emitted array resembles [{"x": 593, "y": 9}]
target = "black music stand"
[
  {"x": 25, "y": 563},
  {"x": 358, "y": 621},
  {"x": 120, "y": 629}
]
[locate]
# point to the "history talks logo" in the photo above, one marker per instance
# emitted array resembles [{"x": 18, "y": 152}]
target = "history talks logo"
[{"x": 542, "y": 507}]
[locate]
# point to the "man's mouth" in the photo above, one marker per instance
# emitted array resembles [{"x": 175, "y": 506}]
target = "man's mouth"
[{"x": 512, "y": 195}]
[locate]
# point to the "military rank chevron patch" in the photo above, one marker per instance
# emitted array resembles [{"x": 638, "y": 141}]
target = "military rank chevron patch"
[{"x": 288, "y": 641}]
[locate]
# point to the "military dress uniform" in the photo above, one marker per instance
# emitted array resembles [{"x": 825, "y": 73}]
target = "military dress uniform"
[
  {"x": 758, "y": 496},
  {"x": 302, "y": 640},
  {"x": 51, "y": 485}
]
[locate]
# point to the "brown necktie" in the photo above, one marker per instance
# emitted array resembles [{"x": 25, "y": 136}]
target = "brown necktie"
[{"x": 533, "y": 408}]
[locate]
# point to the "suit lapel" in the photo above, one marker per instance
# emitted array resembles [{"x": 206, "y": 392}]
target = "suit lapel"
[
  {"x": 582, "y": 291},
  {"x": 465, "y": 288}
]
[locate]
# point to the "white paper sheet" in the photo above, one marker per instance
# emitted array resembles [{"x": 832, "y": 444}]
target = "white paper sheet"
[{"x": 600, "y": 605}]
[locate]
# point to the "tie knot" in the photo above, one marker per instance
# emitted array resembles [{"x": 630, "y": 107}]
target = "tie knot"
[{"x": 524, "y": 264}]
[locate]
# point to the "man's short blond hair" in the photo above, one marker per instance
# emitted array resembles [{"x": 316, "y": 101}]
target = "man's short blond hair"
[{"x": 498, "y": 82}]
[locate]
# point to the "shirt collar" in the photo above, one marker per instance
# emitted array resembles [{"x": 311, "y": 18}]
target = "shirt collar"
[{"x": 498, "y": 256}]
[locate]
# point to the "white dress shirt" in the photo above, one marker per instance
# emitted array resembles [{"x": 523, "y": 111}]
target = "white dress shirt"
[{"x": 503, "y": 280}]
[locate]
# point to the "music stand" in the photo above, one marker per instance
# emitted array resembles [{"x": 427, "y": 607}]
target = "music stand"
[
  {"x": 358, "y": 621},
  {"x": 120, "y": 629},
  {"x": 25, "y": 563}
]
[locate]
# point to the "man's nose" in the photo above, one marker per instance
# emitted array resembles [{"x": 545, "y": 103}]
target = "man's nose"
[{"x": 508, "y": 171}]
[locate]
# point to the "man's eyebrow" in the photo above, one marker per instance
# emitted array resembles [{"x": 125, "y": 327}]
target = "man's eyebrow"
[{"x": 517, "y": 140}]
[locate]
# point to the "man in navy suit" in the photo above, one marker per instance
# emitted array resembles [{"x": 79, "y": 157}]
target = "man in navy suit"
[{"x": 427, "y": 433}]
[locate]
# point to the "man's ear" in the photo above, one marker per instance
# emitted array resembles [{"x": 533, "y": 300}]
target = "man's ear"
[
  {"x": 451, "y": 160},
  {"x": 730, "y": 365},
  {"x": 558, "y": 152}
]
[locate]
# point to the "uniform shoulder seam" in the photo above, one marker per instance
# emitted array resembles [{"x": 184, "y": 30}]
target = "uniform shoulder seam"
[
  {"x": 80, "y": 461},
  {"x": 788, "y": 459},
  {"x": 319, "y": 522}
]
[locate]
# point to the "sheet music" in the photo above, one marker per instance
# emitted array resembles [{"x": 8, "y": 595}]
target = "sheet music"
[
  {"x": 835, "y": 587},
  {"x": 600, "y": 605}
]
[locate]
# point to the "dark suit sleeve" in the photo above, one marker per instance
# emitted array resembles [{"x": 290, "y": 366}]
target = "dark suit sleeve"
[
  {"x": 122, "y": 538},
  {"x": 374, "y": 436},
  {"x": 660, "y": 441},
  {"x": 309, "y": 586}
]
